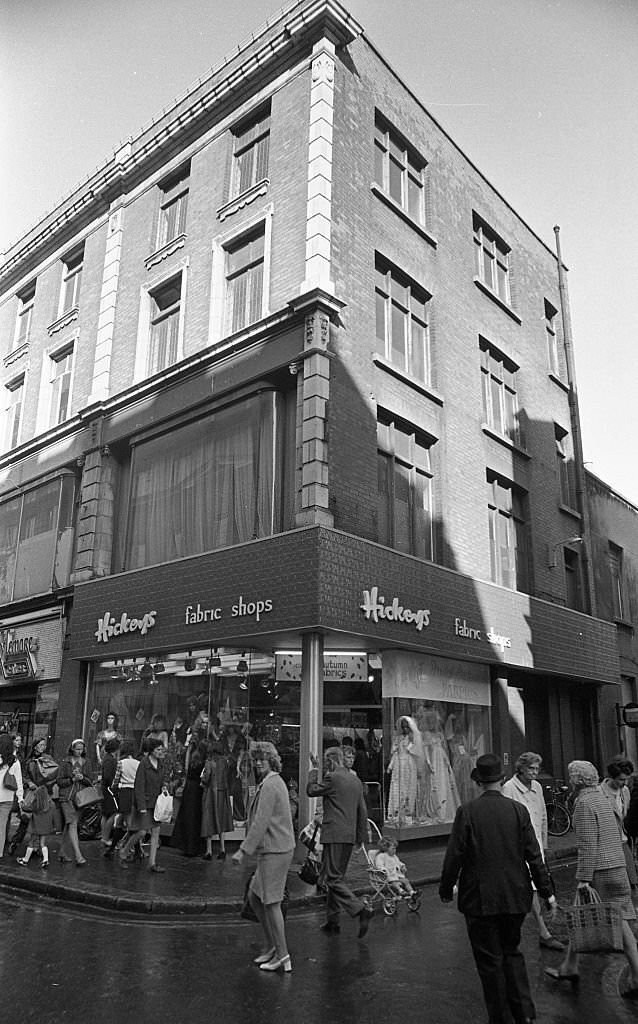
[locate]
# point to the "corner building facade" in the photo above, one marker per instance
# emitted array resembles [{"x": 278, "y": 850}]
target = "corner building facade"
[{"x": 296, "y": 373}]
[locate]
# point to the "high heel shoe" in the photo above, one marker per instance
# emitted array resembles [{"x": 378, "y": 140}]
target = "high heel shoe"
[
  {"x": 22, "y": 861},
  {"x": 558, "y": 975},
  {"x": 80, "y": 862},
  {"x": 265, "y": 957},
  {"x": 274, "y": 965},
  {"x": 44, "y": 865},
  {"x": 207, "y": 856},
  {"x": 222, "y": 855}
]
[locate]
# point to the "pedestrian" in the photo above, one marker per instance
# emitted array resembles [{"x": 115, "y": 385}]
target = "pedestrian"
[
  {"x": 187, "y": 833},
  {"x": 491, "y": 852},
  {"x": 270, "y": 836},
  {"x": 525, "y": 788},
  {"x": 109, "y": 803},
  {"x": 615, "y": 788},
  {"x": 149, "y": 783},
  {"x": 10, "y": 785},
  {"x": 217, "y": 814},
  {"x": 40, "y": 772},
  {"x": 123, "y": 784},
  {"x": 601, "y": 866},
  {"x": 345, "y": 823},
  {"x": 70, "y": 780}
]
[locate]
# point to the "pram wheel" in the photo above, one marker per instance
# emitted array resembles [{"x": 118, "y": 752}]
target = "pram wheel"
[
  {"x": 389, "y": 906},
  {"x": 414, "y": 902},
  {"x": 367, "y": 902}
]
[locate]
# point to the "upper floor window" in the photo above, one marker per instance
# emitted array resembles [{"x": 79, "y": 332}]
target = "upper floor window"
[
  {"x": 71, "y": 281},
  {"x": 14, "y": 396},
  {"x": 551, "y": 334},
  {"x": 250, "y": 152},
  {"x": 507, "y": 507},
  {"x": 565, "y": 467},
  {"x": 60, "y": 380},
  {"x": 402, "y": 321},
  {"x": 164, "y": 326},
  {"x": 573, "y": 592},
  {"x": 173, "y": 207},
  {"x": 404, "y": 504},
  {"x": 492, "y": 260},
  {"x": 616, "y": 577},
  {"x": 245, "y": 280},
  {"x": 210, "y": 483},
  {"x": 26, "y": 301},
  {"x": 36, "y": 539},
  {"x": 500, "y": 399},
  {"x": 399, "y": 170}
]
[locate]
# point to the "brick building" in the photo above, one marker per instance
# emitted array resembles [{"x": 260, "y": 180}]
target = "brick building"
[{"x": 288, "y": 440}]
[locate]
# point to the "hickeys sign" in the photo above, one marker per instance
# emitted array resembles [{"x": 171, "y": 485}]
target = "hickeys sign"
[
  {"x": 108, "y": 626},
  {"x": 374, "y": 607}
]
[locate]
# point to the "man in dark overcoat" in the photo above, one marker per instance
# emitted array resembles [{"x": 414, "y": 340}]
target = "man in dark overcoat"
[
  {"x": 491, "y": 852},
  {"x": 345, "y": 822}
]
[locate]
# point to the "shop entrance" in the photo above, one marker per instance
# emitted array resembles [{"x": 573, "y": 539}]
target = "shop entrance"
[{"x": 17, "y": 717}]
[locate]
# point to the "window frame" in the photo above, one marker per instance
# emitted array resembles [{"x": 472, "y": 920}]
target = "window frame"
[
  {"x": 391, "y": 454},
  {"x": 551, "y": 336},
  {"x": 72, "y": 271},
  {"x": 389, "y": 295},
  {"x": 572, "y": 572},
  {"x": 63, "y": 352},
  {"x": 565, "y": 468},
  {"x": 615, "y": 562},
  {"x": 488, "y": 245},
  {"x": 26, "y": 304},
  {"x": 174, "y": 193},
  {"x": 12, "y": 427},
  {"x": 500, "y": 383},
  {"x": 143, "y": 351},
  {"x": 391, "y": 149},
  {"x": 219, "y": 313},
  {"x": 250, "y": 133},
  {"x": 511, "y": 517}
]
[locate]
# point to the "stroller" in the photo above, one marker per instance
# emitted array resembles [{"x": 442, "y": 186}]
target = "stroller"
[{"x": 382, "y": 891}]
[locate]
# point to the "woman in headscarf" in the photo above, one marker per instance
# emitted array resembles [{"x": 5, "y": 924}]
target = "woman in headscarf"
[{"x": 601, "y": 866}]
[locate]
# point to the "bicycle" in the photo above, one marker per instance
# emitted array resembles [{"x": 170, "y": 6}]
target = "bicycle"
[{"x": 559, "y": 816}]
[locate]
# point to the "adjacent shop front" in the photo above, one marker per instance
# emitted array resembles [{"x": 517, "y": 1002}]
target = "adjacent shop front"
[
  {"x": 30, "y": 661},
  {"x": 313, "y": 638}
]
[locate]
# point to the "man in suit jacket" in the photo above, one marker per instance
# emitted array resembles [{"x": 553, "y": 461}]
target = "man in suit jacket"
[
  {"x": 345, "y": 822},
  {"x": 491, "y": 851}
]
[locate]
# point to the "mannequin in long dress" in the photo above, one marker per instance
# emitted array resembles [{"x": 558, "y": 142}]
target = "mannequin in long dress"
[
  {"x": 405, "y": 767},
  {"x": 442, "y": 795}
]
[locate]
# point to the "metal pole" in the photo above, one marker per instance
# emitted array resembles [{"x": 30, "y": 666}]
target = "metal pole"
[{"x": 311, "y": 716}]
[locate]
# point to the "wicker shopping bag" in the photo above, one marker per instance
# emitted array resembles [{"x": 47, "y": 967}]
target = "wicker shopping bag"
[{"x": 594, "y": 926}]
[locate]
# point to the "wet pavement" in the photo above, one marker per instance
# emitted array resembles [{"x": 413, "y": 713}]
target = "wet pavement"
[
  {"x": 192, "y": 885},
  {"x": 64, "y": 962}
]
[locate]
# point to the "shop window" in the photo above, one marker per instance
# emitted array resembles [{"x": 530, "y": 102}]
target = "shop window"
[
  {"x": 250, "y": 152},
  {"x": 404, "y": 503},
  {"x": 618, "y": 604},
  {"x": 173, "y": 207},
  {"x": 211, "y": 483},
  {"x": 14, "y": 398},
  {"x": 399, "y": 170},
  {"x": 508, "y": 528},
  {"x": 402, "y": 321},
  {"x": 36, "y": 540},
  {"x": 26, "y": 302},
  {"x": 499, "y": 391},
  {"x": 216, "y": 697},
  {"x": 492, "y": 260}
]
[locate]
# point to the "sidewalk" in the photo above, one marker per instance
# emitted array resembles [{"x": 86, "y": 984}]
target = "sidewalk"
[{"x": 195, "y": 886}]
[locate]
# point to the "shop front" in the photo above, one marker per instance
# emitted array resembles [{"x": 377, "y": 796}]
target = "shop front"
[
  {"x": 30, "y": 661},
  {"x": 313, "y": 638}
]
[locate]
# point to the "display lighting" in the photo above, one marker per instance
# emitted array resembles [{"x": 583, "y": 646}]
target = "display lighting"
[
  {"x": 159, "y": 667},
  {"x": 133, "y": 675},
  {"x": 215, "y": 661},
  {"x": 146, "y": 672},
  {"x": 242, "y": 666},
  {"x": 189, "y": 663}
]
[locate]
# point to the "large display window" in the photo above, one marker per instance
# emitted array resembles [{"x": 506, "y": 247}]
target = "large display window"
[{"x": 436, "y": 723}]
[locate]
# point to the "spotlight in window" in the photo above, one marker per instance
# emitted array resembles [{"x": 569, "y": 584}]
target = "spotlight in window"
[
  {"x": 242, "y": 666},
  {"x": 189, "y": 663},
  {"x": 243, "y": 685},
  {"x": 146, "y": 671},
  {"x": 159, "y": 667},
  {"x": 215, "y": 661}
]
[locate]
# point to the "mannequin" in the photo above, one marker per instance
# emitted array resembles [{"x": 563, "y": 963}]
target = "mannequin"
[{"x": 406, "y": 764}]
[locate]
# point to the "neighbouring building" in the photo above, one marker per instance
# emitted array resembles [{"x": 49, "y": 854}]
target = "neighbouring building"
[{"x": 288, "y": 443}]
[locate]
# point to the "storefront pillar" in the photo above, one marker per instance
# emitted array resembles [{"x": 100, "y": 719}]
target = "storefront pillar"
[
  {"x": 501, "y": 742},
  {"x": 311, "y": 717}
]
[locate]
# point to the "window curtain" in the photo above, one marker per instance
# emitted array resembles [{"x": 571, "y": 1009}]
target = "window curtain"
[{"x": 210, "y": 484}]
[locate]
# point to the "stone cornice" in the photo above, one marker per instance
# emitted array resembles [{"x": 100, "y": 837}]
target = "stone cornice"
[{"x": 302, "y": 22}]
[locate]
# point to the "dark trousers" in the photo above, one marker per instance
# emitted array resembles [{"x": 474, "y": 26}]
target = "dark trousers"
[
  {"x": 501, "y": 966},
  {"x": 334, "y": 864}
]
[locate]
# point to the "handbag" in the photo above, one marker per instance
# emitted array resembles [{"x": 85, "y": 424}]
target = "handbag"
[
  {"x": 29, "y": 802},
  {"x": 88, "y": 796},
  {"x": 48, "y": 767},
  {"x": 594, "y": 926},
  {"x": 10, "y": 781},
  {"x": 310, "y": 870},
  {"x": 163, "y": 810}
]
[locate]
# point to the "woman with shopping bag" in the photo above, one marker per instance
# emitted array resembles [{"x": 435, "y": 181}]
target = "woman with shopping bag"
[{"x": 600, "y": 873}]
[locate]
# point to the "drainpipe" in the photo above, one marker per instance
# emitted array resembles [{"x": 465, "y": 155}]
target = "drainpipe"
[{"x": 574, "y": 415}]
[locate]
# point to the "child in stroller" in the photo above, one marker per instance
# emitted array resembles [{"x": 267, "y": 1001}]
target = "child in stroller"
[{"x": 388, "y": 878}]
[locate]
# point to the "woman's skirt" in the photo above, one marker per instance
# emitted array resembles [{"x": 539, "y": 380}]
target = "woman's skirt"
[
  {"x": 125, "y": 800},
  {"x": 138, "y": 821},
  {"x": 269, "y": 881},
  {"x": 70, "y": 812},
  {"x": 612, "y": 885}
]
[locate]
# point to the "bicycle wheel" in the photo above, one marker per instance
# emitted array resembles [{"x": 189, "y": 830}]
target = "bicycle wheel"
[
  {"x": 389, "y": 906},
  {"x": 558, "y": 820}
]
